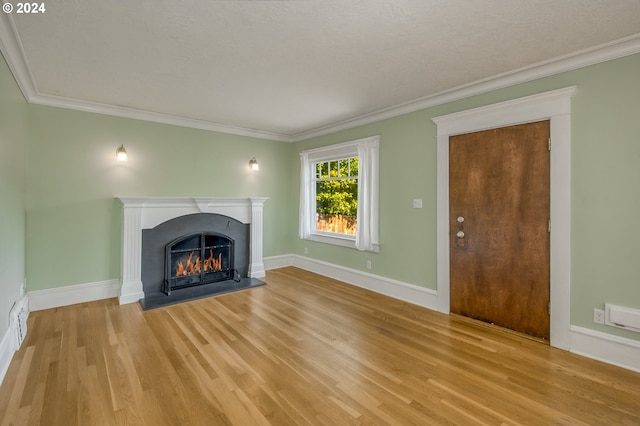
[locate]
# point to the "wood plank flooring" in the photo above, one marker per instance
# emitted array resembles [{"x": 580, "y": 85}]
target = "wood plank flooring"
[{"x": 304, "y": 349}]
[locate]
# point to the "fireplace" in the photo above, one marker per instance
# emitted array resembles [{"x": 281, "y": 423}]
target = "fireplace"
[
  {"x": 157, "y": 233},
  {"x": 196, "y": 259}
]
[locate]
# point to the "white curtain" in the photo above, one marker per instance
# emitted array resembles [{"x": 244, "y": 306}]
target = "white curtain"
[
  {"x": 304, "y": 229},
  {"x": 367, "y": 233}
]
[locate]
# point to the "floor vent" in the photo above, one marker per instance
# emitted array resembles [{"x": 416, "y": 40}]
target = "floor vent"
[
  {"x": 19, "y": 322},
  {"x": 623, "y": 317}
]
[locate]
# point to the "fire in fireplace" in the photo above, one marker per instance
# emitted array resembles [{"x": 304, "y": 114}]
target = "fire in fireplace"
[{"x": 198, "y": 258}]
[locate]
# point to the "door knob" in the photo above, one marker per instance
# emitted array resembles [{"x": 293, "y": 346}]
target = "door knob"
[
  {"x": 460, "y": 234},
  {"x": 460, "y": 219}
]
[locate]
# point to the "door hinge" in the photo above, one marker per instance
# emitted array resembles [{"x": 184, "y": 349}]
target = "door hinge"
[
  {"x": 549, "y": 226},
  {"x": 549, "y": 144},
  {"x": 549, "y": 308}
]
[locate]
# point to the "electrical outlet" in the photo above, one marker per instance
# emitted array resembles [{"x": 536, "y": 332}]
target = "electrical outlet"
[
  {"x": 368, "y": 264},
  {"x": 598, "y": 316},
  {"x": 306, "y": 250}
]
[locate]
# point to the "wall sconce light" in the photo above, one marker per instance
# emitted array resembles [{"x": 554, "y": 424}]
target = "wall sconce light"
[
  {"x": 121, "y": 153},
  {"x": 253, "y": 164}
]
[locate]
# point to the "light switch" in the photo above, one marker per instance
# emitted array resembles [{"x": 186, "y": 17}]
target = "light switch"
[{"x": 417, "y": 203}]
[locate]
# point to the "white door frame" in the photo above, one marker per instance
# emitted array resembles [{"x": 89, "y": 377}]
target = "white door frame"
[{"x": 554, "y": 106}]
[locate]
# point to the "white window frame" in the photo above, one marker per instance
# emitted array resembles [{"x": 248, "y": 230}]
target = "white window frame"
[{"x": 367, "y": 151}]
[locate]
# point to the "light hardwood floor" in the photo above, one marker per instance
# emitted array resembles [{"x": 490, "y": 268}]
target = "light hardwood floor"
[{"x": 303, "y": 349}]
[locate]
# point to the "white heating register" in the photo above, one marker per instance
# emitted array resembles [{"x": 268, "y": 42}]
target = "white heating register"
[{"x": 145, "y": 213}]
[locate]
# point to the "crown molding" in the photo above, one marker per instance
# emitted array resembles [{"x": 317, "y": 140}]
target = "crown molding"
[
  {"x": 157, "y": 117},
  {"x": 14, "y": 54},
  {"x": 605, "y": 52}
]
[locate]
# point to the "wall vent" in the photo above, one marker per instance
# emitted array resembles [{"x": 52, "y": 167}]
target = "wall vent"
[
  {"x": 18, "y": 317},
  {"x": 622, "y": 317}
]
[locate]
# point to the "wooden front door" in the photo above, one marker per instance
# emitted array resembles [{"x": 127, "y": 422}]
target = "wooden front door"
[{"x": 499, "y": 226}]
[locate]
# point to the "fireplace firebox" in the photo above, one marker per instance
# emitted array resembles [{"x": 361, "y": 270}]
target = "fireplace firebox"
[{"x": 198, "y": 258}]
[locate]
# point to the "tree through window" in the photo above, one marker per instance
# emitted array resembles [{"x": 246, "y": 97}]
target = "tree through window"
[{"x": 337, "y": 196}]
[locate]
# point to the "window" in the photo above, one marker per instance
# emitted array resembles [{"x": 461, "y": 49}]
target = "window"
[
  {"x": 336, "y": 183},
  {"x": 339, "y": 194}
]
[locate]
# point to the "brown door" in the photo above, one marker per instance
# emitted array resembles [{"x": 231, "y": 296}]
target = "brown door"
[{"x": 499, "y": 217}]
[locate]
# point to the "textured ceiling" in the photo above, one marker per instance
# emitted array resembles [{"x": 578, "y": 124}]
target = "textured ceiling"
[{"x": 289, "y": 68}]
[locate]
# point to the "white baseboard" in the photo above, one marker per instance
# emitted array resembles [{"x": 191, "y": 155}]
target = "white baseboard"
[
  {"x": 414, "y": 294},
  {"x": 70, "y": 295},
  {"x": 7, "y": 349},
  {"x": 9, "y": 342},
  {"x": 605, "y": 347},
  {"x": 275, "y": 262}
]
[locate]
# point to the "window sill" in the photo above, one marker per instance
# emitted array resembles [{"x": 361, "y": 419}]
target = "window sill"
[{"x": 338, "y": 241}]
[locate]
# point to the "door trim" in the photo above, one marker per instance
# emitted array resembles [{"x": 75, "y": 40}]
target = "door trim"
[{"x": 556, "y": 107}]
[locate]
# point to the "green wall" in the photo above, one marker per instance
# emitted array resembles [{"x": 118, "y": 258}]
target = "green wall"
[
  {"x": 73, "y": 234},
  {"x": 605, "y": 198},
  {"x": 605, "y": 194},
  {"x": 13, "y": 157}
]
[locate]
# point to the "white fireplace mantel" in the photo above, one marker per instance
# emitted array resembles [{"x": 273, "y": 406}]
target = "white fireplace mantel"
[{"x": 146, "y": 212}]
